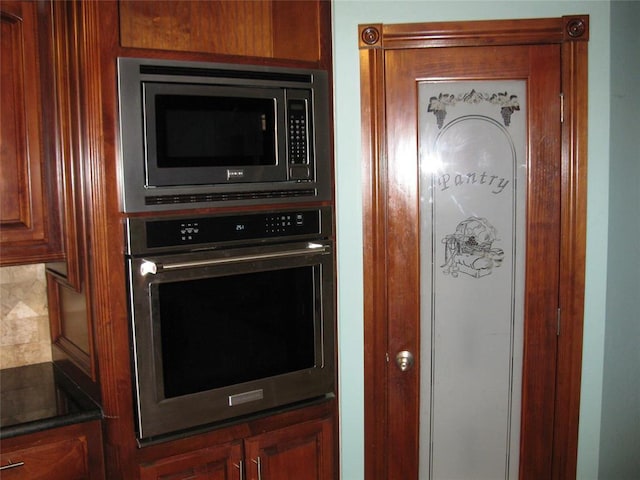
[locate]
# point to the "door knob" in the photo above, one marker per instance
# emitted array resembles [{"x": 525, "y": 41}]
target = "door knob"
[{"x": 404, "y": 360}]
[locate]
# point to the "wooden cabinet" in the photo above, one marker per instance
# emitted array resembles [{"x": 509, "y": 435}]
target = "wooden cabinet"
[
  {"x": 298, "y": 452},
  {"x": 29, "y": 230},
  {"x": 268, "y": 29},
  {"x": 66, "y": 453},
  {"x": 221, "y": 462}
]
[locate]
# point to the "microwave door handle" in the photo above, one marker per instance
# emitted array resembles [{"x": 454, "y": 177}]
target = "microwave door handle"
[{"x": 311, "y": 247}]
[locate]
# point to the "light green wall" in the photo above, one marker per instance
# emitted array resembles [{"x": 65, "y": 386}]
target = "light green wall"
[
  {"x": 346, "y": 17},
  {"x": 620, "y": 431}
]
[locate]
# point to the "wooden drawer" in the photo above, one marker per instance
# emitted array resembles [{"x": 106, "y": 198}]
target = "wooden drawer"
[
  {"x": 64, "y": 460},
  {"x": 66, "y": 453}
]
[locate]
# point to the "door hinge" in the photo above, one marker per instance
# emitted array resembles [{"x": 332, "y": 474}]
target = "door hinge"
[
  {"x": 558, "y": 323},
  {"x": 562, "y": 108}
]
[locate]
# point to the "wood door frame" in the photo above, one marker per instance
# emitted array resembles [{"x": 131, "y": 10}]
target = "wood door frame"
[{"x": 572, "y": 33}]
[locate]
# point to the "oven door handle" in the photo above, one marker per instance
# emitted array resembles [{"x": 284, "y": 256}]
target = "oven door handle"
[{"x": 149, "y": 267}]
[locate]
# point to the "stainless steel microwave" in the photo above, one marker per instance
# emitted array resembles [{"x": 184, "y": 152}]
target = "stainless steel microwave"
[{"x": 195, "y": 134}]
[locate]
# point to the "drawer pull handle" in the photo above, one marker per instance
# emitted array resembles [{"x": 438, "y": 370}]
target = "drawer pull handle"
[
  {"x": 258, "y": 463},
  {"x": 11, "y": 465},
  {"x": 240, "y": 467}
]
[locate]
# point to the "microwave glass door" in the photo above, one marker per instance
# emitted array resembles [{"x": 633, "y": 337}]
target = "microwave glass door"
[
  {"x": 220, "y": 331},
  {"x": 201, "y": 131},
  {"x": 209, "y": 134}
]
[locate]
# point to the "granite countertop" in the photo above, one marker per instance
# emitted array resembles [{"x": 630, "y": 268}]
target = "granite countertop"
[{"x": 39, "y": 397}]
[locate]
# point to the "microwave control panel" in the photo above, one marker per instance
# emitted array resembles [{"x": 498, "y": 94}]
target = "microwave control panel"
[
  {"x": 168, "y": 233},
  {"x": 298, "y": 132},
  {"x": 299, "y": 143}
]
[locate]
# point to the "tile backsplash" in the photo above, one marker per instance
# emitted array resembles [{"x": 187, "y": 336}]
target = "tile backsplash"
[{"x": 24, "y": 320}]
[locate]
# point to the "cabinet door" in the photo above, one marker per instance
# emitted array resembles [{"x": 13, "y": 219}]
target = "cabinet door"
[
  {"x": 222, "y": 462},
  {"x": 265, "y": 29},
  {"x": 28, "y": 217},
  {"x": 299, "y": 452}
]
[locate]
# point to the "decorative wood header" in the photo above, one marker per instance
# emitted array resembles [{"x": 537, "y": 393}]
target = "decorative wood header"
[{"x": 483, "y": 32}]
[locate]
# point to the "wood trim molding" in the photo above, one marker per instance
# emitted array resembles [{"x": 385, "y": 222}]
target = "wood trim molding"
[
  {"x": 572, "y": 32},
  {"x": 374, "y": 234},
  {"x": 572, "y": 260},
  {"x": 66, "y": 71},
  {"x": 97, "y": 23}
]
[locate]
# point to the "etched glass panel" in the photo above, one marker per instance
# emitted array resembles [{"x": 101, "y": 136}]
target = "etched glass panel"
[{"x": 472, "y": 194}]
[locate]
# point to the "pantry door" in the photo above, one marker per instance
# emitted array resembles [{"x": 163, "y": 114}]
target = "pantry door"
[{"x": 463, "y": 254}]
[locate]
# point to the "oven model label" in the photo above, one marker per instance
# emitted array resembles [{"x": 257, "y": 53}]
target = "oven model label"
[{"x": 235, "y": 174}]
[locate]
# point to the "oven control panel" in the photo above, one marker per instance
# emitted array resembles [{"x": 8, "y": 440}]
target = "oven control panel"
[{"x": 196, "y": 231}]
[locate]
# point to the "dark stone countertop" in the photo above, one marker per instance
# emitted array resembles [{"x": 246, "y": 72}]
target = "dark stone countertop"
[{"x": 39, "y": 397}]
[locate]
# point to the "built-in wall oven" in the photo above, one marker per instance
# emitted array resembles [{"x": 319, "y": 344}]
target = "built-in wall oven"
[{"x": 231, "y": 315}]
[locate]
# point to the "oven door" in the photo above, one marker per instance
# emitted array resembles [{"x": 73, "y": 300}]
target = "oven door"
[{"x": 226, "y": 333}]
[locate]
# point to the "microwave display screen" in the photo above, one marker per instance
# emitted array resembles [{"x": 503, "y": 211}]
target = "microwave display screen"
[
  {"x": 213, "y": 131},
  {"x": 220, "y": 331}
]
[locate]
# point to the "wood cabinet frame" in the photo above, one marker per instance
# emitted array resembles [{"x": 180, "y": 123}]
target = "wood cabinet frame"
[
  {"x": 79, "y": 161},
  {"x": 89, "y": 112},
  {"x": 572, "y": 33}
]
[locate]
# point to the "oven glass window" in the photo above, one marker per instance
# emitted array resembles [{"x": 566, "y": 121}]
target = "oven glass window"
[
  {"x": 209, "y": 131},
  {"x": 221, "y": 331}
]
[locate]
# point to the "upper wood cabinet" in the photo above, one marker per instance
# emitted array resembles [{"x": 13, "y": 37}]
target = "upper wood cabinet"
[
  {"x": 274, "y": 29},
  {"x": 29, "y": 225}
]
